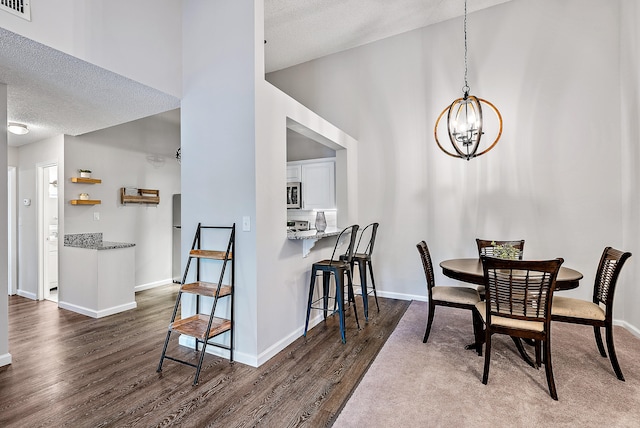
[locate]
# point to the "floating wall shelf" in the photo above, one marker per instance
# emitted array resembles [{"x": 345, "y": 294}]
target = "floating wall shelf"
[
  {"x": 85, "y": 180},
  {"x": 85, "y": 202},
  {"x": 139, "y": 196}
]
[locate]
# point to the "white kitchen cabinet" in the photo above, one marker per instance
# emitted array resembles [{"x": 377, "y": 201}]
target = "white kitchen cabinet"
[
  {"x": 294, "y": 173},
  {"x": 318, "y": 178}
]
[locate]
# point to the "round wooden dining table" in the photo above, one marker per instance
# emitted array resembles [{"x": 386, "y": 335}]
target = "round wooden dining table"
[{"x": 470, "y": 270}]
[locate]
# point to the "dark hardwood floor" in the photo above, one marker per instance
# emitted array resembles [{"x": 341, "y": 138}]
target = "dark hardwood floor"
[{"x": 72, "y": 370}]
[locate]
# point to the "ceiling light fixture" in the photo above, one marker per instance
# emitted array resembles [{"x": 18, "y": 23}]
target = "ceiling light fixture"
[
  {"x": 17, "y": 128},
  {"x": 464, "y": 118}
]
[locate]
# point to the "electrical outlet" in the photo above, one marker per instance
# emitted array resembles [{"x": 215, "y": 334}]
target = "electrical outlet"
[{"x": 246, "y": 223}]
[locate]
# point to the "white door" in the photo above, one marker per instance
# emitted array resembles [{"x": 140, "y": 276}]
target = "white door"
[{"x": 48, "y": 217}]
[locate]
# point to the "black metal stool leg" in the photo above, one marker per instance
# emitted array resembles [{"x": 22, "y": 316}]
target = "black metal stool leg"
[
  {"x": 340, "y": 299},
  {"x": 311, "y": 286},
  {"x": 362, "y": 268},
  {"x": 352, "y": 296},
  {"x": 373, "y": 284},
  {"x": 326, "y": 279}
]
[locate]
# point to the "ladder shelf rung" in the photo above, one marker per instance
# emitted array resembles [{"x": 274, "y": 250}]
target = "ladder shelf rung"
[
  {"x": 203, "y": 288},
  {"x": 196, "y": 326},
  {"x": 210, "y": 254}
]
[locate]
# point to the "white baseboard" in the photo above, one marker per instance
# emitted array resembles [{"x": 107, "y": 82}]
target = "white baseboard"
[
  {"x": 5, "y": 359},
  {"x": 153, "y": 284},
  {"x": 632, "y": 329},
  {"x": 402, "y": 296},
  {"x": 97, "y": 314},
  {"x": 252, "y": 360},
  {"x": 239, "y": 357},
  {"x": 27, "y": 294}
]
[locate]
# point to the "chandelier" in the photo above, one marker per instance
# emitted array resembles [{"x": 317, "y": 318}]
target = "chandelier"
[{"x": 464, "y": 118}]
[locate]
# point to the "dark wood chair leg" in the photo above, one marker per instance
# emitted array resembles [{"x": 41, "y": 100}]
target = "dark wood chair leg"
[
  {"x": 612, "y": 352},
  {"x": 523, "y": 353},
  {"x": 432, "y": 309},
  {"x": 549, "y": 369},
  {"x": 487, "y": 356},
  {"x": 598, "y": 334},
  {"x": 477, "y": 331}
]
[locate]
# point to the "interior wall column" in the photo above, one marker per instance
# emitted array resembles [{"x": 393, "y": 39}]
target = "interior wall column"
[
  {"x": 218, "y": 138},
  {"x": 5, "y": 356}
]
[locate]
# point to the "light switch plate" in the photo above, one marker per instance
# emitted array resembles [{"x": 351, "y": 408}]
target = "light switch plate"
[{"x": 246, "y": 223}]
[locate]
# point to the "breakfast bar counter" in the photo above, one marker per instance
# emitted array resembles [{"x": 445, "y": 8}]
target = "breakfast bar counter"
[
  {"x": 310, "y": 237},
  {"x": 98, "y": 276}
]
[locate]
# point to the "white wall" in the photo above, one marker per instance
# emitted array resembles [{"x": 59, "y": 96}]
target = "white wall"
[
  {"x": 30, "y": 156},
  {"x": 283, "y": 273},
  {"x": 627, "y": 306},
  {"x": 553, "y": 70},
  {"x": 12, "y": 156},
  {"x": 234, "y": 128},
  {"x": 5, "y": 356},
  {"x": 112, "y": 35},
  {"x": 118, "y": 157}
]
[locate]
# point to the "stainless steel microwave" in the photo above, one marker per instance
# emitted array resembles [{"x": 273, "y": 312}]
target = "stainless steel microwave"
[{"x": 294, "y": 199}]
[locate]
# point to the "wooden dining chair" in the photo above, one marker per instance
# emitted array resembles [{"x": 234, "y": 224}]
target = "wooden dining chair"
[
  {"x": 599, "y": 312},
  {"x": 457, "y": 297},
  {"x": 488, "y": 247},
  {"x": 518, "y": 295}
]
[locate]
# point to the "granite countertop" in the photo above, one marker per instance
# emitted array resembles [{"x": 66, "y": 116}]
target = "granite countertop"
[
  {"x": 92, "y": 241},
  {"x": 314, "y": 234}
]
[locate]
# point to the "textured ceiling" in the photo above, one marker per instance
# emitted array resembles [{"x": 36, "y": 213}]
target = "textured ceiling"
[
  {"x": 301, "y": 30},
  {"x": 55, "y": 93}
]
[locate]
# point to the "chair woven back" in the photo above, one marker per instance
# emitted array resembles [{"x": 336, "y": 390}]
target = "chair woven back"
[
  {"x": 427, "y": 265},
  {"x": 609, "y": 268},
  {"x": 348, "y": 254},
  {"x": 487, "y": 247},
  {"x": 370, "y": 230},
  {"x": 520, "y": 289}
]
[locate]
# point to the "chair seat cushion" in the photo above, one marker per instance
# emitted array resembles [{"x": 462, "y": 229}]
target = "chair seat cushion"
[
  {"x": 462, "y": 295},
  {"x": 576, "y": 308},
  {"x": 509, "y": 322}
]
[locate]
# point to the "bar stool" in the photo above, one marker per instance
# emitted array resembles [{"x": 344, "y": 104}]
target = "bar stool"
[
  {"x": 364, "y": 261},
  {"x": 338, "y": 268}
]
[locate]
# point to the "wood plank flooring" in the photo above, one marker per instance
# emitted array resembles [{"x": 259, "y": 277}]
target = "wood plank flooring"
[{"x": 71, "y": 370}]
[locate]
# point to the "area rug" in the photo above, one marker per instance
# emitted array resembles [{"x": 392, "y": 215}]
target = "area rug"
[{"x": 438, "y": 383}]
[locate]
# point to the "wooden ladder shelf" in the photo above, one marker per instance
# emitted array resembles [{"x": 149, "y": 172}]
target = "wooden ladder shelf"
[{"x": 205, "y": 326}]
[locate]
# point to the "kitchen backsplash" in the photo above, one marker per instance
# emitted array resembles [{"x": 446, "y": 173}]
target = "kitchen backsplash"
[{"x": 310, "y": 216}]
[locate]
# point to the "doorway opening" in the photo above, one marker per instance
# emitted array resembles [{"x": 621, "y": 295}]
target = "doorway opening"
[{"x": 48, "y": 231}]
